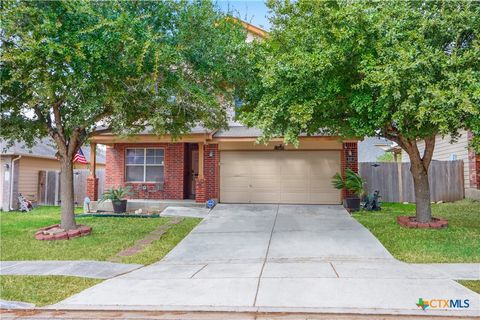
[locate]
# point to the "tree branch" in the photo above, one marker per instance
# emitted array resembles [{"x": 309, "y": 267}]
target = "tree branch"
[
  {"x": 428, "y": 152},
  {"x": 47, "y": 123},
  {"x": 58, "y": 118}
]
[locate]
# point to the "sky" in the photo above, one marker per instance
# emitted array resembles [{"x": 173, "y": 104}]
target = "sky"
[{"x": 252, "y": 11}]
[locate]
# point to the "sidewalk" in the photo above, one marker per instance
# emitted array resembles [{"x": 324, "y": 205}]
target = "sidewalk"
[{"x": 87, "y": 269}]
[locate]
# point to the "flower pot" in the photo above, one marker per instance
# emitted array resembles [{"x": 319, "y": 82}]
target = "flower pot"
[
  {"x": 352, "y": 204},
  {"x": 119, "y": 206}
]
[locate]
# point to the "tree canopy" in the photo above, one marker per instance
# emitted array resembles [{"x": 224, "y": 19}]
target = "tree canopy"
[
  {"x": 67, "y": 66},
  {"x": 357, "y": 68},
  {"x": 404, "y": 70}
]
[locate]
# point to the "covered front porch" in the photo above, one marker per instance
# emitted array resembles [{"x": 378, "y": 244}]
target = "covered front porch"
[{"x": 157, "y": 168}]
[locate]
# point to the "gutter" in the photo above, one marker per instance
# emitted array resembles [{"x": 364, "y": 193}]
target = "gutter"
[{"x": 12, "y": 176}]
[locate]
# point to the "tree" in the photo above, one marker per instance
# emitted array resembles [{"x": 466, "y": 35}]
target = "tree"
[
  {"x": 69, "y": 66},
  {"x": 386, "y": 157},
  {"x": 404, "y": 70}
]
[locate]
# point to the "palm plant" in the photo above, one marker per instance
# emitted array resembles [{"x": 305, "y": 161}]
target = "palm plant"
[
  {"x": 353, "y": 182},
  {"x": 116, "y": 194}
]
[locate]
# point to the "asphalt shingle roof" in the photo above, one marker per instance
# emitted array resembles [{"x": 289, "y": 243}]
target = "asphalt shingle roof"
[{"x": 44, "y": 148}]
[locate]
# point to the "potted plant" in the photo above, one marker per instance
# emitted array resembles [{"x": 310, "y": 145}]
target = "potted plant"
[
  {"x": 353, "y": 183},
  {"x": 117, "y": 196}
]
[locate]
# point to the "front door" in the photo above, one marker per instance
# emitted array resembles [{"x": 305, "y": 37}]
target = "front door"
[{"x": 191, "y": 170}]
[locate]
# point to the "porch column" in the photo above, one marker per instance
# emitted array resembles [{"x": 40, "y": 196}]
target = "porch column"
[
  {"x": 349, "y": 160},
  {"x": 200, "y": 187},
  {"x": 92, "y": 180}
]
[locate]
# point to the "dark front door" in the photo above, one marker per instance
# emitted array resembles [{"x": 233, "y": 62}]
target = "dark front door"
[{"x": 191, "y": 170}]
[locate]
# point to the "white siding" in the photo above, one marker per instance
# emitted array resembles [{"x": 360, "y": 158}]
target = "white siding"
[{"x": 444, "y": 151}]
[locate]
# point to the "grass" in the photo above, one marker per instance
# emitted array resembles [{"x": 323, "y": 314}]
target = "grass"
[
  {"x": 473, "y": 285},
  {"x": 109, "y": 236},
  {"x": 42, "y": 290},
  {"x": 159, "y": 248},
  {"x": 460, "y": 242}
]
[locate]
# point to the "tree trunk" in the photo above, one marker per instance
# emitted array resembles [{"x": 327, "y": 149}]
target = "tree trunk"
[
  {"x": 423, "y": 211},
  {"x": 66, "y": 195}
]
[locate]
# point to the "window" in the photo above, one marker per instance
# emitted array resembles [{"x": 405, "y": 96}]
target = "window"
[{"x": 144, "y": 165}]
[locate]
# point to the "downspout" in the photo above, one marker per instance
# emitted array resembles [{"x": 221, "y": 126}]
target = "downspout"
[{"x": 12, "y": 176}]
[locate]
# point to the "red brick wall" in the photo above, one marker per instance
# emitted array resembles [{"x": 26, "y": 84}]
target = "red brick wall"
[
  {"x": 349, "y": 159},
  {"x": 477, "y": 161},
  {"x": 211, "y": 171},
  {"x": 200, "y": 190},
  {"x": 174, "y": 171},
  {"x": 92, "y": 188}
]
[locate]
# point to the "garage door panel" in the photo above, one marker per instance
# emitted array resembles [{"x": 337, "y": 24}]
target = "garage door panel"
[
  {"x": 235, "y": 183},
  {"x": 264, "y": 170},
  {"x": 324, "y": 197},
  {"x": 269, "y": 183},
  {"x": 294, "y": 197},
  {"x": 265, "y": 197},
  {"x": 235, "y": 171},
  {"x": 235, "y": 196},
  {"x": 279, "y": 177},
  {"x": 294, "y": 184}
]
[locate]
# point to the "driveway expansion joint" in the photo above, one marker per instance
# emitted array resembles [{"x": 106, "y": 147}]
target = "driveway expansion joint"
[{"x": 266, "y": 255}]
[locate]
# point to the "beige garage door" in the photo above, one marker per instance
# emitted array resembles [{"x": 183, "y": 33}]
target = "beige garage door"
[{"x": 279, "y": 177}]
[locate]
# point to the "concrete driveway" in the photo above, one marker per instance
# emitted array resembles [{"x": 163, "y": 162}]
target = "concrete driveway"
[{"x": 288, "y": 258}]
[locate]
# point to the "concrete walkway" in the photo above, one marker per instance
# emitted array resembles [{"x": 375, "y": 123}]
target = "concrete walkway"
[
  {"x": 277, "y": 258},
  {"x": 87, "y": 269}
]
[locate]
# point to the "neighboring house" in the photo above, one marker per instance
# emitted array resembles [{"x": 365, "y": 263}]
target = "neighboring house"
[
  {"x": 445, "y": 150},
  {"x": 20, "y": 169},
  {"x": 370, "y": 148}
]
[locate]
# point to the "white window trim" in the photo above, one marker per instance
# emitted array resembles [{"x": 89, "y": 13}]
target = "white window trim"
[{"x": 144, "y": 165}]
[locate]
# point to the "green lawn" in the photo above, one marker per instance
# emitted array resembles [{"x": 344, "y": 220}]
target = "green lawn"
[
  {"x": 109, "y": 236},
  {"x": 460, "y": 242},
  {"x": 42, "y": 290},
  {"x": 473, "y": 285}
]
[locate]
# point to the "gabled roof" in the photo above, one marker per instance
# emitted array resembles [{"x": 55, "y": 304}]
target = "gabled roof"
[
  {"x": 253, "y": 29},
  {"x": 43, "y": 148}
]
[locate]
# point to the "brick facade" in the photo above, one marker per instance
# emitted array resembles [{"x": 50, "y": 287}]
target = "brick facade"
[
  {"x": 200, "y": 190},
  {"x": 92, "y": 188},
  {"x": 211, "y": 171},
  {"x": 477, "y": 169},
  {"x": 349, "y": 159},
  {"x": 174, "y": 171}
]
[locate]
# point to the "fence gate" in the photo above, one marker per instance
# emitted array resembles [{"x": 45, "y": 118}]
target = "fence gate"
[{"x": 49, "y": 186}]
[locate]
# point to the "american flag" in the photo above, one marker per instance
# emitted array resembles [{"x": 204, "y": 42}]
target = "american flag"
[{"x": 79, "y": 157}]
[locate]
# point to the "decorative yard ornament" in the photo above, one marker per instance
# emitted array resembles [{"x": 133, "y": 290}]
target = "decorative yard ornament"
[
  {"x": 86, "y": 205},
  {"x": 372, "y": 201},
  {"x": 25, "y": 205}
]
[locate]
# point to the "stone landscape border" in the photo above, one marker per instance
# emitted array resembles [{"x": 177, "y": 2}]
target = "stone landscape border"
[
  {"x": 118, "y": 215},
  {"x": 80, "y": 231},
  {"x": 411, "y": 222}
]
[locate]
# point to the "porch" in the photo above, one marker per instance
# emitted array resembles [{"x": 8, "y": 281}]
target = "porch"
[
  {"x": 158, "y": 169},
  {"x": 148, "y": 205}
]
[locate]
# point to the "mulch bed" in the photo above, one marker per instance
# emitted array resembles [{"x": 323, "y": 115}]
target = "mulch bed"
[
  {"x": 55, "y": 232},
  {"x": 411, "y": 222},
  {"x": 118, "y": 215}
]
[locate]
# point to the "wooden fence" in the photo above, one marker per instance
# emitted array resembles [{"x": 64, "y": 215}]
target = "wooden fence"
[
  {"x": 49, "y": 186},
  {"x": 395, "y": 181}
]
